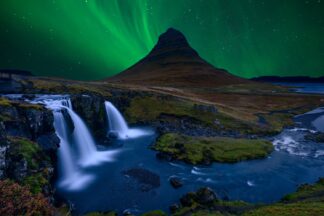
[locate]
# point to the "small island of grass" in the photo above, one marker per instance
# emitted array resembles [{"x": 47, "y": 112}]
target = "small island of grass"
[{"x": 204, "y": 150}]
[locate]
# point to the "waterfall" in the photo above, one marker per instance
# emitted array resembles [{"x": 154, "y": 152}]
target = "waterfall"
[
  {"x": 116, "y": 121},
  {"x": 85, "y": 144},
  {"x": 71, "y": 177},
  {"x": 84, "y": 152},
  {"x": 64, "y": 152},
  {"x": 118, "y": 125}
]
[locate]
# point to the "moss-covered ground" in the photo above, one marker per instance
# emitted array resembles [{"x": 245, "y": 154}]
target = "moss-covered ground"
[{"x": 197, "y": 150}]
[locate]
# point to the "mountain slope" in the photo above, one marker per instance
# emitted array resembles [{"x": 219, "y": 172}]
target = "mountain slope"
[{"x": 172, "y": 62}]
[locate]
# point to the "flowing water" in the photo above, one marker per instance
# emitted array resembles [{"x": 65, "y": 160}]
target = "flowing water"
[
  {"x": 117, "y": 124},
  {"x": 134, "y": 179}
]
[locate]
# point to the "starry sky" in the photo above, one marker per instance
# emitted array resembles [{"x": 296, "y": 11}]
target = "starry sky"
[{"x": 93, "y": 39}]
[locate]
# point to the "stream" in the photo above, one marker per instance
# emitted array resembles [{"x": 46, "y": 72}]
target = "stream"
[{"x": 128, "y": 176}]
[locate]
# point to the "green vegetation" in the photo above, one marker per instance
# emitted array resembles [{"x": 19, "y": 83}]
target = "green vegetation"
[
  {"x": 308, "y": 200},
  {"x": 4, "y": 102},
  {"x": 70, "y": 87},
  {"x": 196, "y": 150},
  {"x": 292, "y": 209},
  {"x": 155, "y": 213},
  {"x": 307, "y": 192},
  {"x": 35, "y": 182},
  {"x": 30, "y": 106},
  {"x": 278, "y": 121},
  {"x": 28, "y": 149},
  {"x": 151, "y": 108}
]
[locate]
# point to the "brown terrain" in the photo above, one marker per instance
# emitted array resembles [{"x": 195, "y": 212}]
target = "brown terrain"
[{"x": 174, "y": 68}]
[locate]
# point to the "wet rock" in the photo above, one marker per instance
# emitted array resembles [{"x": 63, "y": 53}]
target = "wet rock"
[
  {"x": 127, "y": 212},
  {"x": 48, "y": 142},
  {"x": 205, "y": 195},
  {"x": 92, "y": 110},
  {"x": 317, "y": 137},
  {"x": 68, "y": 120},
  {"x": 176, "y": 182},
  {"x": 188, "y": 199},
  {"x": 113, "y": 134},
  {"x": 17, "y": 169},
  {"x": 164, "y": 156},
  {"x": 174, "y": 207},
  {"x": 3, "y": 151}
]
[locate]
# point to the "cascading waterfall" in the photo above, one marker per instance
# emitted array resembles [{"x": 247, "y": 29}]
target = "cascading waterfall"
[
  {"x": 117, "y": 124},
  {"x": 85, "y": 144},
  {"x": 116, "y": 121},
  {"x": 72, "y": 176}
]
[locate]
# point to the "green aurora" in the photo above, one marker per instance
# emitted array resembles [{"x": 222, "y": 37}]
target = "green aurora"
[{"x": 93, "y": 39}]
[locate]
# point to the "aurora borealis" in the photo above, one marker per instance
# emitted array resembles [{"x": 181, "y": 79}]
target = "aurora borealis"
[{"x": 93, "y": 39}]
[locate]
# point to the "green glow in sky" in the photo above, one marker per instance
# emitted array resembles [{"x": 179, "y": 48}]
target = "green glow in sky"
[{"x": 93, "y": 39}]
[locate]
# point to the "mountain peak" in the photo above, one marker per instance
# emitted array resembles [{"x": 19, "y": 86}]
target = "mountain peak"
[
  {"x": 173, "y": 42},
  {"x": 173, "y": 62}
]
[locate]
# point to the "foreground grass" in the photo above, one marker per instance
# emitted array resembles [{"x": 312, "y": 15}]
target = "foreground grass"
[
  {"x": 197, "y": 150},
  {"x": 308, "y": 200}
]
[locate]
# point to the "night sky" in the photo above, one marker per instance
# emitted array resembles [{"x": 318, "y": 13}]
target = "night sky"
[{"x": 93, "y": 39}]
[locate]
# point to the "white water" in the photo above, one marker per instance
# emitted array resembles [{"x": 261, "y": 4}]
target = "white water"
[
  {"x": 117, "y": 124},
  {"x": 72, "y": 176},
  {"x": 116, "y": 121}
]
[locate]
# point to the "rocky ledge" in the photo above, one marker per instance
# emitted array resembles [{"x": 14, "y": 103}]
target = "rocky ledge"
[{"x": 28, "y": 145}]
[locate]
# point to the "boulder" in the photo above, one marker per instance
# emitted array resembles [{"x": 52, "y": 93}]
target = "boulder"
[
  {"x": 317, "y": 137},
  {"x": 205, "y": 195},
  {"x": 174, "y": 207},
  {"x": 176, "y": 182}
]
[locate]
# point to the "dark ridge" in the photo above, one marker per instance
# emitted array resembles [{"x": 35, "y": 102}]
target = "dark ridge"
[
  {"x": 16, "y": 72},
  {"x": 295, "y": 79}
]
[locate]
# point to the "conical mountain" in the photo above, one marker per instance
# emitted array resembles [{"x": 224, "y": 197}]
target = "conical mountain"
[{"x": 173, "y": 62}]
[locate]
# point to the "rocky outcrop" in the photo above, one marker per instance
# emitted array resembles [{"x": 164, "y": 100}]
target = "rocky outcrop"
[
  {"x": 3, "y": 150},
  {"x": 28, "y": 145},
  {"x": 92, "y": 110},
  {"x": 24, "y": 120}
]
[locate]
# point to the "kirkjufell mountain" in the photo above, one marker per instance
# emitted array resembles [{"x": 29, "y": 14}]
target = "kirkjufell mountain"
[{"x": 173, "y": 62}]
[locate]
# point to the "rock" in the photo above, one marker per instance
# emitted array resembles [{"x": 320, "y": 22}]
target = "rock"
[
  {"x": 92, "y": 110},
  {"x": 112, "y": 134},
  {"x": 164, "y": 156},
  {"x": 48, "y": 142},
  {"x": 205, "y": 196},
  {"x": 175, "y": 182},
  {"x": 317, "y": 137},
  {"x": 127, "y": 212},
  {"x": 18, "y": 169},
  {"x": 174, "y": 207},
  {"x": 68, "y": 120},
  {"x": 3, "y": 150},
  {"x": 188, "y": 199}
]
